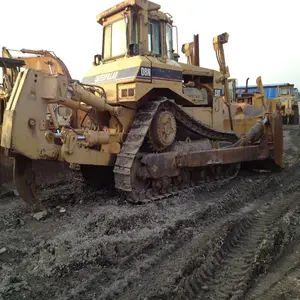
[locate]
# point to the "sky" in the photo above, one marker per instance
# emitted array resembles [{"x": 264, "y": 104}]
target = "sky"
[{"x": 263, "y": 34}]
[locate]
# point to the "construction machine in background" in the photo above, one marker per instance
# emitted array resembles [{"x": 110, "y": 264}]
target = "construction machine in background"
[
  {"x": 287, "y": 104},
  {"x": 39, "y": 60},
  {"x": 251, "y": 103},
  {"x": 256, "y": 99},
  {"x": 281, "y": 97},
  {"x": 11, "y": 66},
  {"x": 153, "y": 126}
]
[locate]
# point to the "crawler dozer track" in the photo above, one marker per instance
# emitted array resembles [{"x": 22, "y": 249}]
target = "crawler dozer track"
[{"x": 139, "y": 189}]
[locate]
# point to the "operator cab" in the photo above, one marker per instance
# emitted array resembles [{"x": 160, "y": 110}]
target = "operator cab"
[
  {"x": 286, "y": 90},
  {"x": 138, "y": 28},
  {"x": 125, "y": 32}
]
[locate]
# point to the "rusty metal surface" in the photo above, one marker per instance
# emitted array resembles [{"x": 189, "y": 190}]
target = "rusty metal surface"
[
  {"x": 222, "y": 156},
  {"x": 254, "y": 134},
  {"x": 113, "y": 10},
  {"x": 276, "y": 121},
  {"x": 169, "y": 163},
  {"x": 196, "y": 50},
  {"x": 242, "y": 151},
  {"x": 161, "y": 165}
]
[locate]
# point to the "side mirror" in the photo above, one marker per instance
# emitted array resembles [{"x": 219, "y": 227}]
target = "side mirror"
[
  {"x": 133, "y": 50},
  {"x": 97, "y": 59}
]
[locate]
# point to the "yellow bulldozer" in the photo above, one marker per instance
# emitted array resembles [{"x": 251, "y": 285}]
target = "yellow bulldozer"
[
  {"x": 287, "y": 104},
  {"x": 281, "y": 97},
  {"x": 152, "y": 125},
  {"x": 252, "y": 104}
]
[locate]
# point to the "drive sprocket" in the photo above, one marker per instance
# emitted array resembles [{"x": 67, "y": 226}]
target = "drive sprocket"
[{"x": 162, "y": 131}]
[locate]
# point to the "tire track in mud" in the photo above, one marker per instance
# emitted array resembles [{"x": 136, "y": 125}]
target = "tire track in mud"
[
  {"x": 231, "y": 270},
  {"x": 102, "y": 248},
  {"x": 213, "y": 259},
  {"x": 163, "y": 256},
  {"x": 282, "y": 280},
  {"x": 98, "y": 245},
  {"x": 193, "y": 253}
]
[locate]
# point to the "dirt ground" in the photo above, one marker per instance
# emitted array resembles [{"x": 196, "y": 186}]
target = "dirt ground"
[{"x": 232, "y": 240}]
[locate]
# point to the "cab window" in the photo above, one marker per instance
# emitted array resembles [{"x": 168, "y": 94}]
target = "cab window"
[
  {"x": 169, "y": 41},
  {"x": 284, "y": 91},
  {"x": 154, "y": 37},
  {"x": 114, "y": 39}
]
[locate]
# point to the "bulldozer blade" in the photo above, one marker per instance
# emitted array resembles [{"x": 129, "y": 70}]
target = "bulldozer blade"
[
  {"x": 277, "y": 129},
  {"x": 24, "y": 178}
]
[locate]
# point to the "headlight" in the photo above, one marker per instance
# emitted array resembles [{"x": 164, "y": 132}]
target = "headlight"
[{"x": 126, "y": 91}]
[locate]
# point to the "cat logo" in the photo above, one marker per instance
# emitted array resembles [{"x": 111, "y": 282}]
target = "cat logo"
[{"x": 107, "y": 77}]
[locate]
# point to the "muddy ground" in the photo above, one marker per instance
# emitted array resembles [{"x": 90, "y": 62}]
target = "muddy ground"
[{"x": 233, "y": 240}]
